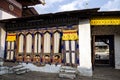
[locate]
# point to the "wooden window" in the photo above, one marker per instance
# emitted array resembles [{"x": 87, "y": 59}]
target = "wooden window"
[
  {"x": 73, "y": 51},
  {"x": 47, "y": 47},
  {"x": 8, "y": 55},
  {"x": 37, "y": 43},
  {"x": 56, "y": 42},
  {"x": 67, "y": 47},
  {"x": 21, "y": 44},
  {"x": 56, "y": 56},
  {"x": 47, "y": 42},
  {"x": 70, "y": 52},
  {"x": 29, "y": 43},
  {"x": 10, "y": 50},
  {"x": 8, "y": 45},
  {"x": 20, "y": 50}
]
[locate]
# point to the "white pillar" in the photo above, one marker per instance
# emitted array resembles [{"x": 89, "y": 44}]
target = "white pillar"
[
  {"x": 2, "y": 41},
  {"x": 85, "y": 67},
  {"x": 117, "y": 51}
]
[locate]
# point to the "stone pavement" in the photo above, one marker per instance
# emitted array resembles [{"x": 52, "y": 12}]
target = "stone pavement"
[
  {"x": 100, "y": 73},
  {"x": 106, "y": 73}
]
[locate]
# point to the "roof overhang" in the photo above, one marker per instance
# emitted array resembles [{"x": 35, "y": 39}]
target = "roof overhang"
[
  {"x": 29, "y": 11},
  {"x": 30, "y": 2},
  {"x": 58, "y": 19},
  {"x": 85, "y": 13}
]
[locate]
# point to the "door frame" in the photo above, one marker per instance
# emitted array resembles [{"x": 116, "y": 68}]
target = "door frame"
[
  {"x": 111, "y": 47},
  {"x": 70, "y": 54}
]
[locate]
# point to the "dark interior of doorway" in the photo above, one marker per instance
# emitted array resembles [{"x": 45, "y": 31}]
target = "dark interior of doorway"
[{"x": 103, "y": 50}]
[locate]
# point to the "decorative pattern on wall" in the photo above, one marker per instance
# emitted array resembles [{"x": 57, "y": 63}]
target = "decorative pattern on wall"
[
  {"x": 11, "y": 37},
  {"x": 105, "y": 21},
  {"x": 70, "y": 35}
]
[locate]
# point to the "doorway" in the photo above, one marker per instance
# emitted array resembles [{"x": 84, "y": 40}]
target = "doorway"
[
  {"x": 70, "y": 53},
  {"x": 103, "y": 50},
  {"x": 10, "y": 51}
]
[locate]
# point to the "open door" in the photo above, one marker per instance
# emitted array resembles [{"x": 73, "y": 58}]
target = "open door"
[{"x": 103, "y": 50}]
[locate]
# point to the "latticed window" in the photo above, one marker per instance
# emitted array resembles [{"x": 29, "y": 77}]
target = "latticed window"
[
  {"x": 10, "y": 50},
  {"x": 47, "y": 42},
  {"x": 56, "y": 42},
  {"x": 37, "y": 43},
  {"x": 73, "y": 51},
  {"x": 21, "y": 44},
  {"x": 29, "y": 43}
]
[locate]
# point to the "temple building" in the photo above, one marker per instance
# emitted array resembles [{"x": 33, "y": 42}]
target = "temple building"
[{"x": 80, "y": 38}]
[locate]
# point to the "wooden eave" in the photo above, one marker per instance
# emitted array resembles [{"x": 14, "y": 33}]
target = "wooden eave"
[
  {"x": 77, "y": 13},
  {"x": 29, "y": 2},
  {"x": 29, "y": 11},
  {"x": 106, "y": 13}
]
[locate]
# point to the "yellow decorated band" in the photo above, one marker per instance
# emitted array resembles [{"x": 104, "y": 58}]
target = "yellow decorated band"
[
  {"x": 11, "y": 37},
  {"x": 105, "y": 21},
  {"x": 70, "y": 35}
]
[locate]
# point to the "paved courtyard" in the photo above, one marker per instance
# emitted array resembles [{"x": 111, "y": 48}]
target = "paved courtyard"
[{"x": 100, "y": 73}]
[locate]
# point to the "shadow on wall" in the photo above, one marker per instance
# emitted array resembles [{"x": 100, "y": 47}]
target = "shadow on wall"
[{"x": 1, "y": 52}]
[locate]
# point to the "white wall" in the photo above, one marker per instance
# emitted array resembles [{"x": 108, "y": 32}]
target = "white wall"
[
  {"x": 2, "y": 41},
  {"x": 110, "y": 30},
  {"x": 85, "y": 67},
  {"x": 117, "y": 51},
  {"x": 47, "y": 68},
  {"x": 3, "y": 15}
]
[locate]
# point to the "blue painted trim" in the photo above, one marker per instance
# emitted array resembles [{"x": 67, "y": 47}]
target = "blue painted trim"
[{"x": 5, "y": 51}]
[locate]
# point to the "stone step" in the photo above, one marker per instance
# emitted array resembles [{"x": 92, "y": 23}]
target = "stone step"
[
  {"x": 20, "y": 69},
  {"x": 68, "y": 68},
  {"x": 66, "y": 75},
  {"x": 17, "y": 67},
  {"x": 21, "y": 72},
  {"x": 3, "y": 68},
  {"x": 68, "y": 72}
]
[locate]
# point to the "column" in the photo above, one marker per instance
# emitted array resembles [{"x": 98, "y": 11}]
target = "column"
[{"x": 85, "y": 66}]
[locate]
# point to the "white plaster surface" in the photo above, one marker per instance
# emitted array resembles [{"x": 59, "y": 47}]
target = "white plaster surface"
[
  {"x": 117, "y": 51},
  {"x": 5, "y": 15},
  {"x": 47, "y": 68},
  {"x": 2, "y": 41},
  {"x": 3, "y": 70},
  {"x": 85, "y": 67}
]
